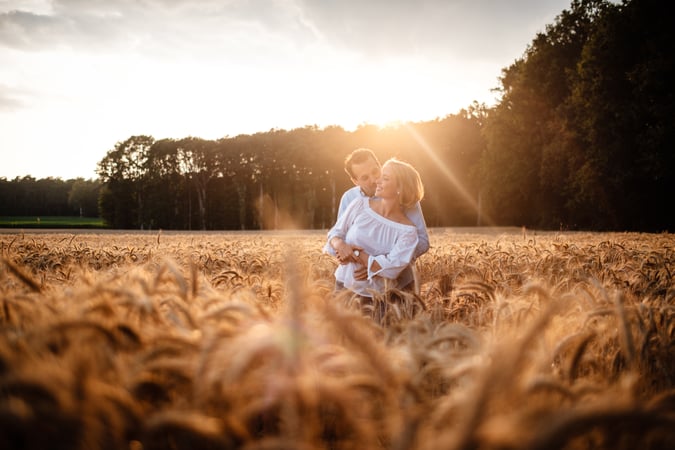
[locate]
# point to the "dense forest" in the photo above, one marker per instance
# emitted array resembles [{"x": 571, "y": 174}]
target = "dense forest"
[
  {"x": 27, "y": 196},
  {"x": 581, "y": 138}
]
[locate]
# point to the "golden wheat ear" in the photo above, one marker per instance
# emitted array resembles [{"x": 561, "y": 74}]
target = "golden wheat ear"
[
  {"x": 22, "y": 275},
  {"x": 189, "y": 430},
  {"x": 35, "y": 413}
]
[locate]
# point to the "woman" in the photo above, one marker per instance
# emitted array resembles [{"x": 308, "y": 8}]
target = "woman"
[{"x": 384, "y": 237}]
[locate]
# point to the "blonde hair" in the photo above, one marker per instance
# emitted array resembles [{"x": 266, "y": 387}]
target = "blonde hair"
[{"x": 410, "y": 187}]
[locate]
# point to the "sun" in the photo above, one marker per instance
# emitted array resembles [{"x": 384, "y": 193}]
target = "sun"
[{"x": 394, "y": 92}]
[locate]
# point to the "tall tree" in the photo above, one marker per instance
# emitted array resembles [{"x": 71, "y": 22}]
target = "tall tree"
[
  {"x": 524, "y": 168},
  {"x": 123, "y": 171},
  {"x": 237, "y": 160},
  {"x": 624, "y": 108},
  {"x": 197, "y": 162},
  {"x": 166, "y": 189},
  {"x": 83, "y": 197}
]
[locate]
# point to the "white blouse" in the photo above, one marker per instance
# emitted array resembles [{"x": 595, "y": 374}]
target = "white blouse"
[{"x": 390, "y": 243}]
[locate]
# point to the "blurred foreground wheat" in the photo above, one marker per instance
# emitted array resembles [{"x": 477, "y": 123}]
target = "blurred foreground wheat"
[{"x": 189, "y": 341}]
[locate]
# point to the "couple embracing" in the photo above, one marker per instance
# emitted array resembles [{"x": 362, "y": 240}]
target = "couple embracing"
[{"x": 380, "y": 229}]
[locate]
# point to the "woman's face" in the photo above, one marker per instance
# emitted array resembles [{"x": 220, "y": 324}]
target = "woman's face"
[{"x": 387, "y": 186}]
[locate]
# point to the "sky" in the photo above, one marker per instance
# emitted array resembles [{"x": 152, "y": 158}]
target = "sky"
[{"x": 78, "y": 76}]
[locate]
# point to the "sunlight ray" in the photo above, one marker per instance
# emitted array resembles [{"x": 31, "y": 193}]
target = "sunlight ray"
[{"x": 482, "y": 218}]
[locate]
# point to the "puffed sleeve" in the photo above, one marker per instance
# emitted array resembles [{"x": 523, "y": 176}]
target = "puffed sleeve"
[
  {"x": 344, "y": 222},
  {"x": 392, "y": 263}
]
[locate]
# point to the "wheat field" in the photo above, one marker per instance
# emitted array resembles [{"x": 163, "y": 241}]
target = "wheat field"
[{"x": 513, "y": 340}]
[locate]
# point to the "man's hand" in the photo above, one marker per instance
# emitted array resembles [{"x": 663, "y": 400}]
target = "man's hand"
[
  {"x": 344, "y": 251},
  {"x": 361, "y": 273},
  {"x": 361, "y": 270}
]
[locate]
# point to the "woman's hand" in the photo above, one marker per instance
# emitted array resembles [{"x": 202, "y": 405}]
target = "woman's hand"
[{"x": 360, "y": 273}]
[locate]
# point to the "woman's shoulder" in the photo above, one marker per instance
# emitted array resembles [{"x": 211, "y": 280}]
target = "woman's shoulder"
[{"x": 374, "y": 205}]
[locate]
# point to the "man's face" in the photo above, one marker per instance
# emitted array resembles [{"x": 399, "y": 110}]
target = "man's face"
[{"x": 366, "y": 175}]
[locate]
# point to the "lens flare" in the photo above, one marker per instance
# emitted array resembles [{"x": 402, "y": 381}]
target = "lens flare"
[{"x": 475, "y": 203}]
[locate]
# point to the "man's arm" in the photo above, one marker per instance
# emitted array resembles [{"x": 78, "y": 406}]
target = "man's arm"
[
  {"x": 335, "y": 243},
  {"x": 348, "y": 196},
  {"x": 416, "y": 217}
]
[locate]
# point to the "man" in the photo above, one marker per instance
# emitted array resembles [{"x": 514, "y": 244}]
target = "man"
[{"x": 364, "y": 169}]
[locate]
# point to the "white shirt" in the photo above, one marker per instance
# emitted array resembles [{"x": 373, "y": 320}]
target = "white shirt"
[
  {"x": 390, "y": 243},
  {"x": 414, "y": 214}
]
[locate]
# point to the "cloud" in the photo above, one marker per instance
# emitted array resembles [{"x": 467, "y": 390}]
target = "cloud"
[
  {"x": 28, "y": 31},
  {"x": 13, "y": 99},
  {"x": 372, "y": 28},
  {"x": 24, "y": 30},
  {"x": 159, "y": 26},
  {"x": 479, "y": 29},
  {"x": 8, "y": 101}
]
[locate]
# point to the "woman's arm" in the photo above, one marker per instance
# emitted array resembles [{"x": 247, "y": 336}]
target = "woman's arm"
[
  {"x": 336, "y": 244},
  {"x": 391, "y": 264},
  {"x": 343, "y": 250}
]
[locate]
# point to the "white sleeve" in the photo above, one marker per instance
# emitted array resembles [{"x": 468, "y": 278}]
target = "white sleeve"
[
  {"x": 400, "y": 256},
  {"x": 344, "y": 222}
]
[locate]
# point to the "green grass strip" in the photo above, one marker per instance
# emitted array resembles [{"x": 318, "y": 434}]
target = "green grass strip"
[{"x": 51, "y": 222}]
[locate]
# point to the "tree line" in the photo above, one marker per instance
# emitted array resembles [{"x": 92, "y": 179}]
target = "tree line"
[
  {"x": 580, "y": 139},
  {"x": 27, "y": 196},
  {"x": 278, "y": 179}
]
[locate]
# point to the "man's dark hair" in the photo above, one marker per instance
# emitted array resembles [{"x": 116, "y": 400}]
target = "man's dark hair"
[{"x": 358, "y": 156}]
